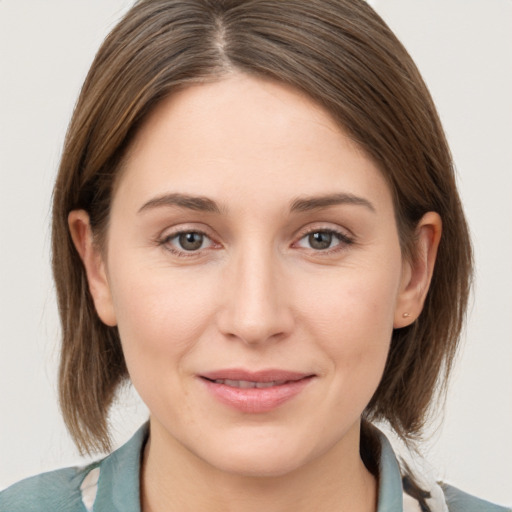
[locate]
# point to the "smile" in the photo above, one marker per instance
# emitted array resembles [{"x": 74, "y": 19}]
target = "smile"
[
  {"x": 255, "y": 392},
  {"x": 247, "y": 384}
]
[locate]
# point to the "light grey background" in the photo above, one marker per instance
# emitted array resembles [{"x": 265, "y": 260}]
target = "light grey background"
[{"x": 464, "y": 50}]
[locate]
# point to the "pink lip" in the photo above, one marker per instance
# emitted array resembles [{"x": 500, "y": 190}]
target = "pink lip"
[{"x": 255, "y": 400}]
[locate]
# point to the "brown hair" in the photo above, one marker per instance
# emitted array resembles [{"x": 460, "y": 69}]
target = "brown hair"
[{"x": 343, "y": 56}]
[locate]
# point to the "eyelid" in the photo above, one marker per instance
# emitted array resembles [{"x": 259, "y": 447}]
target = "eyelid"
[{"x": 313, "y": 227}]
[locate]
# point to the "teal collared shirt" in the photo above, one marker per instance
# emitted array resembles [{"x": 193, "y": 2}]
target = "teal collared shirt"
[{"x": 112, "y": 485}]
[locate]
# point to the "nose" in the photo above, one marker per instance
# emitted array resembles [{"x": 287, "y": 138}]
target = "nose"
[{"x": 255, "y": 305}]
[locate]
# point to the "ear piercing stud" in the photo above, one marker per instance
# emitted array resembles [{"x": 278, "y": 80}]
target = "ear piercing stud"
[{"x": 406, "y": 315}]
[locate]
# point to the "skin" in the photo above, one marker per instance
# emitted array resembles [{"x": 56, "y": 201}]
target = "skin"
[{"x": 257, "y": 294}]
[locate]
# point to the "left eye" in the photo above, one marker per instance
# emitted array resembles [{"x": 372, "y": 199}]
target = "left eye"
[{"x": 322, "y": 239}]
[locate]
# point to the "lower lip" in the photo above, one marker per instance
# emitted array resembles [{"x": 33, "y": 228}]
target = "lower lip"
[{"x": 256, "y": 400}]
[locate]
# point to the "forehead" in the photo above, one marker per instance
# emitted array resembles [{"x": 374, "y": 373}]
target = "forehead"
[{"x": 242, "y": 135}]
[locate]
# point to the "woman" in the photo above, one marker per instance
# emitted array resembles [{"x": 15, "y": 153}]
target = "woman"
[{"x": 256, "y": 221}]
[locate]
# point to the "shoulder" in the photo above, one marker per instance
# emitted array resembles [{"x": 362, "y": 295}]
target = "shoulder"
[
  {"x": 459, "y": 501},
  {"x": 418, "y": 489},
  {"x": 104, "y": 486},
  {"x": 54, "y": 491}
]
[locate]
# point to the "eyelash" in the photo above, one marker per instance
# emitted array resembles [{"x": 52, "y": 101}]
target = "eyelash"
[{"x": 343, "y": 241}]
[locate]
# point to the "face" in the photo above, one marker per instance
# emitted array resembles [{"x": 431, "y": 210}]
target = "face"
[{"x": 253, "y": 268}]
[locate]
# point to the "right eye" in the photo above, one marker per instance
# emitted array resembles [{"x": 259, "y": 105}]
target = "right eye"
[{"x": 184, "y": 242}]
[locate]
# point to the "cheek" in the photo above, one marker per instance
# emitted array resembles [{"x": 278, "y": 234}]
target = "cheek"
[
  {"x": 351, "y": 304},
  {"x": 161, "y": 316},
  {"x": 351, "y": 318}
]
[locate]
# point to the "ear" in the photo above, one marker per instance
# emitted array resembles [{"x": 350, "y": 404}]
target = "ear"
[
  {"x": 81, "y": 233},
  {"x": 417, "y": 274}
]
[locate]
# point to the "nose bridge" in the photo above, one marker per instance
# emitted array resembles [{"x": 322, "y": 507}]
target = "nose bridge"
[{"x": 255, "y": 308}]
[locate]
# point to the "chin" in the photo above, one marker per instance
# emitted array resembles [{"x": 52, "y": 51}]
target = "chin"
[
  {"x": 268, "y": 458},
  {"x": 260, "y": 465}
]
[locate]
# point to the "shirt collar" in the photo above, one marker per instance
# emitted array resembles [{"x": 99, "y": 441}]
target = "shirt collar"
[
  {"x": 390, "y": 478},
  {"x": 119, "y": 481}
]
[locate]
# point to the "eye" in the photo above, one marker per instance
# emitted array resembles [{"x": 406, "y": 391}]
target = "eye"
[
  {"x": 191, "y": 241},
  {"x": 323, "y": 239},
  {"x": 186, "y": 242},
  {"x": 320, "y": 240}
]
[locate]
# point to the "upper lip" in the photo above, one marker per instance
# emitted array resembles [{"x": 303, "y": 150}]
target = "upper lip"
[{"x": 269, "y": 375}]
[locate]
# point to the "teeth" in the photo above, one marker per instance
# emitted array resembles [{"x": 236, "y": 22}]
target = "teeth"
[
  {"x": 265, "y": 384},
  {"x": 247, "y": 384}
]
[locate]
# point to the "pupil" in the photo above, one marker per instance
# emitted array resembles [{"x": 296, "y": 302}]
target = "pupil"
[
  {"x": 191, "y": 241},
  {"x": 320, "y": 240}
]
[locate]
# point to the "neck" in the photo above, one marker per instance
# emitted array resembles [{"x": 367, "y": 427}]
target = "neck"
[{"x": 173, "y": 479}]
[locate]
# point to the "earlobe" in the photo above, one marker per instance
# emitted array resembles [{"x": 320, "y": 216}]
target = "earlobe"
[
  {"x": 93, "y": 261},
  {"x": 417, "y": 274}
]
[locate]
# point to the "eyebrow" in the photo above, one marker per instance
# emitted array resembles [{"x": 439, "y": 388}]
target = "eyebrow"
[
  {"x": 315, "y": 203},
  {"x": 301, "y": 204},
  {"x": 197, "y": 203}
]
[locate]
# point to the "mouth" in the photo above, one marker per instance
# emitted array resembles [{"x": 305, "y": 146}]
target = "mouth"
[
  {"x": 248, "y": 384},
  {"x": 255, "y": 392}
]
